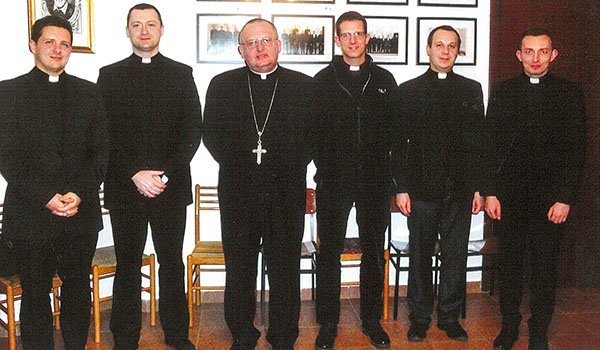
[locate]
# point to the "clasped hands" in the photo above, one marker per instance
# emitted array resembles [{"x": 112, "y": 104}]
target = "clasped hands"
[
  {"x": 65, "y": 205},
  {"x": 149, "y": 182}
]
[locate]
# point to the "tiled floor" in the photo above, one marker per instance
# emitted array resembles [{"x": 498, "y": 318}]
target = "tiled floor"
[{"x": 576, "y": 326}]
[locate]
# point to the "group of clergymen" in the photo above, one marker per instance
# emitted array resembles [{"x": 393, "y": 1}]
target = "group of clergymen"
[{"x": 425, "y": 143}]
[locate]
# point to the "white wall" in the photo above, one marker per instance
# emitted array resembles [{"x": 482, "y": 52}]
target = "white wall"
[{"x": 179, "y": 43}]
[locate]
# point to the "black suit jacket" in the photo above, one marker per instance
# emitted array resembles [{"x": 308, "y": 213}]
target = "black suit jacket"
[
  {"x": 551, "y": 132},
  {"x": 37, "y": 162},
  {"x": 155, "y": 124},
  {"x": 437, "y": 150}
]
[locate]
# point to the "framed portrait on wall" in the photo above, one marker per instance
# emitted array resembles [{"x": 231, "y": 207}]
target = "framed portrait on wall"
[
  {"x": 389, "y": 39},
  {"x": 305, "y": 39},
  {"x": 466, "y": 27},
  {"x": 217, "y": 37},
  {"x": 79, "y": 13},
  {"x": 451, "y": 3},
  {"x": 308, "y": 1},
  {"x": 377, "y": 2}
]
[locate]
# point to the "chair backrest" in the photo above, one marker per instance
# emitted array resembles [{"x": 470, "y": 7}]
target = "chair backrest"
[{"x": 206, "y": 198}]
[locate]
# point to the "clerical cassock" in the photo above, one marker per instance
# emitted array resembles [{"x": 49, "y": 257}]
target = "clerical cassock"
[
  {"x": 255, "y": 128},
  {"x": 537, "y": 129}
]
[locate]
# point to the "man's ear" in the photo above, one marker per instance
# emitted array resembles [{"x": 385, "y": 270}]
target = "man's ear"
[
  {"x": 554, "y": 54},
  {"x": 518, "y": 54}
]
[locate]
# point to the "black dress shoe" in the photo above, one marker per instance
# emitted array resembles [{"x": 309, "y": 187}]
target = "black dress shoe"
[
  {"x": 506, "y": 339},
  {"x": 326, "y": 338},
  {"x": 454, "y": 331},
  {"x": 417, "y": 332},
  {"x": 377, "y": 336}
]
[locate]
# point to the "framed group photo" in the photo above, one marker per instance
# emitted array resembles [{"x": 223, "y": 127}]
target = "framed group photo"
[
  {"x": 377, "y": 2},
  {"x": 451, "y": 3},
  {"x": 78, "y": 12},
  {"x": 389, "y": 39},
  {"x": 466, "y": 27},
  {"x": 217, "y": 37},
  {"x": 305, "y": 39}
]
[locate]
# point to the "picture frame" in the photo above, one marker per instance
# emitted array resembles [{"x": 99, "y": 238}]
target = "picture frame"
[
  {"x": 377, "y": 2},
  {"x": 389, "y": 39},
  {"x": 467, "y": 28},
  {"x": 79, "y": 13},
  {"x": 449, "y": 3},
  {"x": 306, "y": 1},
  {"x": 217, "y": 37},
  {"x": 305, "y": 39}
]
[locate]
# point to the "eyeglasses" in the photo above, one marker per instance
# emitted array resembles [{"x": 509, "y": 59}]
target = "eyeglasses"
[
  {"x": 347, "y": 36},
  {"x": 253, "y": 44}
]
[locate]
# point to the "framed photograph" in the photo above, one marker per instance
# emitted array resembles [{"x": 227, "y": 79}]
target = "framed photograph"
[
  {"x": 452, "y": 3},
  {"x": 217, "y": 37},
  {"x": 389, "y": 39},
  {"x": 466, "y": 27},
  {"x": 79, "y": 13},
  {"x": 308, "y": 1},
  {"x": 377, "y": 2},
  {"x": 305, "y": 39}
]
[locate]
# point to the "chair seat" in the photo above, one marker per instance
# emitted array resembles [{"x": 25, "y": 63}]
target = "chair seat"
[
  {"x": 308, "y": 248},
  {"x": 400, "y": 246},
  {"x": 106, "y": 257},
  {"x": 483, "y": 246},
  {"x": 352, "y": 246},
  {"x": 212, "y": 250},
  {"x": 11, "y": 281}
]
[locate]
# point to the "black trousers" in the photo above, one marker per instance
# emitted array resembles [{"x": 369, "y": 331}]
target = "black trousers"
[
  {"x": 525, "y": 232},
  {"x": 451, "y": 220},
  {"x": 334, "y": 202},
  {"x": 70, "y": 255},
  {"x": 130, "y": 229},
  {"x": 277, "y": 218}
]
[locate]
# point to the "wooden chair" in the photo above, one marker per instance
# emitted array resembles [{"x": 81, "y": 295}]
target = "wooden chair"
[
  {"x": 207, "y": 256},
  {"x": 400, "y": 249},
  {"x": 104, "y": 265},
  {"x": 10, "y": 287},
  {"x": 308, "y": 252}
]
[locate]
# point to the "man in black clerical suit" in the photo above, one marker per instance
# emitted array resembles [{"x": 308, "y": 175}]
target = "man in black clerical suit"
[
  {"x": 537, "y": 129},
  {"x": 255, "y": 128},
  {"x": 436, "y": 164},
  {"x": 355, "y": 111},
  {"x": 155, "y": 119},
  {"x": 53, "y": 155}
]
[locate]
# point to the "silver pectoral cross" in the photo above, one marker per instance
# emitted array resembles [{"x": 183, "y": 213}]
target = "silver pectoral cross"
[{"x": 259, "y": 152}]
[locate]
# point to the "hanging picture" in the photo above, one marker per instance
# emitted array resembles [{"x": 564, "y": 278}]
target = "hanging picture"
[
  {"x": 466, "y": 27},
  {"x": 78, "y": 12},
  {"x": 461, "y": 3},
  {"x": 389, "y": 39},
  {"x": 217, "y": 37},
  {"x": 305, "y": 39}
]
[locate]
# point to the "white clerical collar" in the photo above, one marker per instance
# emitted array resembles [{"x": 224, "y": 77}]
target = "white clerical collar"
[
  {"x": 53, "y": 78},
  {"x": 263, "y": 76},
  {"x": 146, "y": 60},
  {"x": 442, "y": 75},
  {"x": 354, "y": 68},
  {"x": 534, "y": 80}
]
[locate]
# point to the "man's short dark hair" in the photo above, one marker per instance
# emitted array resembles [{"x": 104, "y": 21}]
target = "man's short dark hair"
[
  {"x": 50, "y": 21},
  {"x": 446, "y": 28},
  {"x": 254, "y": 20},
  {"x": 350, "y": 16},
  {"x": 144, "y": 6},
  {"x": 534, "y": 32}
]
